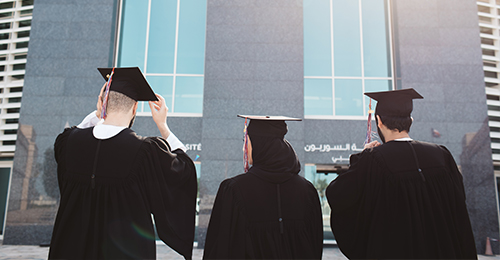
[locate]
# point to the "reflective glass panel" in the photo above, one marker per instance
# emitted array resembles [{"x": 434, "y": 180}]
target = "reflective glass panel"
[
  {"x": 348, "y": 97},
  {"x": 191, "y": 49},
  {"x": 318, "y": 97},
  {"x": 346, "y": 38},
  {"x": 161, "y": 44},
  {"x": 188, "y": 95},
  {"x": 317, "y": 38},
  {"x": 162, "y": 85},
  {"x": 133, "y": 33},
  {"x": 376, "y": 52}
]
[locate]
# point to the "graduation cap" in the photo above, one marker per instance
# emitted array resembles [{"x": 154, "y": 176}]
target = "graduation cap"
[
  {"x": 397, "y": 103},
  {"x": 130, "y": 82},
  {"x": 264, "y": 126},
  {"x": 270, "y": 126}
]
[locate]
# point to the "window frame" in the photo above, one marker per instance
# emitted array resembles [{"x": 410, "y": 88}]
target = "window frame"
[
  {"x": 392, "y": 79},
  {"x": 174, "y": 75}
]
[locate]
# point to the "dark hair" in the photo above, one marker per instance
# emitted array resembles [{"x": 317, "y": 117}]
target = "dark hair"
[
  {"x": 397, "y": 123},
  {"x": 118, "y": 102}
]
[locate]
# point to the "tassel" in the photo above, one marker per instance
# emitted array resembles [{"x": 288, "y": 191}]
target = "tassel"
[
  {"x": 106, "y": 95},
  {"x": 245, "y": 148},
  {"x": 369, "y": 132}
]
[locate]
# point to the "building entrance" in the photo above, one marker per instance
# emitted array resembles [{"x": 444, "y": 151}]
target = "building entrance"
[{"x": 321, "y": 175}]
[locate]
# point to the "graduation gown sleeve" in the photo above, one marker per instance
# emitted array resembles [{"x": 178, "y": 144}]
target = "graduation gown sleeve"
[
  {"x": 171, "y": 188},
  {"x": 226, "y": 231},
  {"x": 345, "y": 196}
]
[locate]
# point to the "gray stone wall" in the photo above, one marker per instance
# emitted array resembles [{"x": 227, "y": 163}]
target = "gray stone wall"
[
  {"x": 253, "y": 65},
  {"x": 440, "y": 56},
  {"x": 68, "y": 41}
]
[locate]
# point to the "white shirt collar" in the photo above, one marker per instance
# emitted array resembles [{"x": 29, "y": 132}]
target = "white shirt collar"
[
  {"x": 404, "y": 139},
  {"x": 101, "y": 131}
]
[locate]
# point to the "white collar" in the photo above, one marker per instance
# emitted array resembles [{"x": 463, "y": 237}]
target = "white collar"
[
  {"x": 404, "y": 139},
  {"x": 101, "y": 131}
]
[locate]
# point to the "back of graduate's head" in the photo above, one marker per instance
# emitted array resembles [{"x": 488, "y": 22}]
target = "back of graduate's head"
[
  {"x": 119, "y": 103},
  {"x": 394, "y": 109},
  {"x": 395, "y": 123},
  {"x": 270, "y": 150}
]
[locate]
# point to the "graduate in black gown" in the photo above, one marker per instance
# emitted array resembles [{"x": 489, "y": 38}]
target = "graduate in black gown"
[
  {"x": 270, "y": 212},
  {"x": 113, "y": 181},
  {"x": 402, "y": 199}
]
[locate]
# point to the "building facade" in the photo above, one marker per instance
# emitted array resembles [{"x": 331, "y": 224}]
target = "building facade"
[
  {"x": 15, "y": 26},
  {"x": 213, "y": 59}
]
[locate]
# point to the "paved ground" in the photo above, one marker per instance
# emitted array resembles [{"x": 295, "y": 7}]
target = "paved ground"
[{"x": 163, "y": 252}]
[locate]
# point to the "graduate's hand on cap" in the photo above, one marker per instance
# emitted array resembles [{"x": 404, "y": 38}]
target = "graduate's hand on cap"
[
  {"x": 159, "y": 110},
  {"x": 99, "y": 100},
  {"x": 372, "y": 144}
]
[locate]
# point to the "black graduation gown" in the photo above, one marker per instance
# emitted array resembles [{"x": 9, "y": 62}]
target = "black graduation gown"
[
  {"x": 245, "y": 220},
  {"x": 109, "y": 189},
  {"x": 383, "y": 208}
]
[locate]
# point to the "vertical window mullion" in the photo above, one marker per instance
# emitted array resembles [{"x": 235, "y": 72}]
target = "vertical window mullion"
[
  {"x": 332, "y": 57},
  {"x": 361, "y": 45},
  {"x": 175, "y": 53}
]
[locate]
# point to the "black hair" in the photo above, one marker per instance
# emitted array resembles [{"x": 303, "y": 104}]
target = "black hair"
[{"x": 397, "y": 123}]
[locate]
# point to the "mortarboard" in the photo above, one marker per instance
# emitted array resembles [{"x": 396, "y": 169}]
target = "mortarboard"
[
  {"x": 397, "y": 103},
  {"x": 271, "y": 126},
  {"x": 130, "y": 82}
]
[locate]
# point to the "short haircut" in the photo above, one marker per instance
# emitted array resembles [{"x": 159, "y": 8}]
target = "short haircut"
[
  {"x": 118, "y": 102},
  {"x": 397, "y": 123}
]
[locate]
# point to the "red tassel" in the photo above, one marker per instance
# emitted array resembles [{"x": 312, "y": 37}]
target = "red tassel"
[
  {"x": 368, "y": 137},
  {"x": 106, "y": 96},
  {"x": 246, "y": 164}
]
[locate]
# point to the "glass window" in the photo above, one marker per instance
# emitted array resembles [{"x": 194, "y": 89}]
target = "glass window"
[
  {"x": 19, "y": 66},
  {"x": 348, "y": 97},
  {"x": 25, "y": 23},
  {"x": 133, "y": 34},
  {"x": 21, "y": 45},
  {"x": 188, "y": 94},
  {"x": 20, "y": 57},
  {"x": 23, "y": 34},
  {"x": 4, "y": 26},
  {"x": 161, "y": 45},
  {"x": 6, "y": 14},
  {"x": 27, "y": 2},
  {"x": 317, "y": 42},
  {"x": 6, "y": 5},
  {"x": 361, "y": 60},
  {"x": 483, "y": 9},
  {"x": 346, "y": 38},
  {"x": 166, "y": 39},
  {"x": 162, "y": 86},
  {"x": 191, "y": 50},
  {"x": 14, "y": 100},
  {"x": 318, "y": 97},
  {"x": 376, "y": 53}
]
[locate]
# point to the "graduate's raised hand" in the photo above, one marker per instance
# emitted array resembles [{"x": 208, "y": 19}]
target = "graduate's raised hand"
[
  {"x": 159, "y": 111},
  {"x": 372, "y": 144}
]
